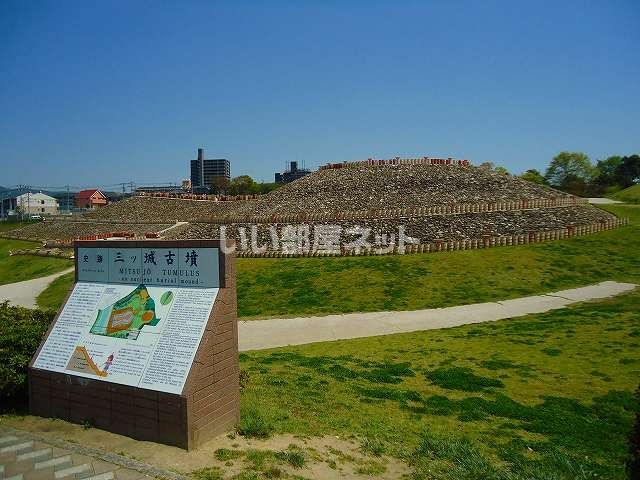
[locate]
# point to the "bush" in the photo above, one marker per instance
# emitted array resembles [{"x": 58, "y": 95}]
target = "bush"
[{"x": 21, "y": 331}]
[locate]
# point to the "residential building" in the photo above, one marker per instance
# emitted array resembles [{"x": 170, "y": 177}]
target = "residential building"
[
  {"x": 209, "y": 172},
  {"x": 36, "y": 204},
  {"x": 91, "y": 198}
]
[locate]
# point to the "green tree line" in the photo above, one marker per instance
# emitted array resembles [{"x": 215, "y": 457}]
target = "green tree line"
[{"x": 575, "y": 173}]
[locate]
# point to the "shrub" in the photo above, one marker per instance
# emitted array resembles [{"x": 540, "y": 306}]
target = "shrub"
[{"x": 21, "y": 331}]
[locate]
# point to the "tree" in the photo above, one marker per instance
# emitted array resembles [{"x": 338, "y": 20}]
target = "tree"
[
  {"x": 605, "y": 175},
  {"x": 533, "y": 175},
  {"x": 571, "y": 172},
  {"x": 501, "y": 170},
  {"x": 219, "y": 185},
  {"x": 628, "y": 172},
  {"x": 243, "y": 185},
  {"x": 266, "y": 187}
]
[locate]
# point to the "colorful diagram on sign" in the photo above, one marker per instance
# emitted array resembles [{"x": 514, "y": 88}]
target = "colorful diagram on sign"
[
  {"x": 126, "y": 317},
  {"x": 81, "y": 361}
]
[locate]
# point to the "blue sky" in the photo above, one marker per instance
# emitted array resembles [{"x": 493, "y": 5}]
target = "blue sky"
[{"x": 95, "y": 93}]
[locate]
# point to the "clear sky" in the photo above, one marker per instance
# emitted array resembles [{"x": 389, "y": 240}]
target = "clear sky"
[{"x": 95, "y": 93}]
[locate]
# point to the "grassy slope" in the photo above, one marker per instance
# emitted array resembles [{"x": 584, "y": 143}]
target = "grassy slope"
[
  {"x": 23, "y": 267},
  {"x": 630, "y": 195},
  {"x": 542, "y": 396},
  {"x": 52, "y": 297},
  {"x": 279, "y": 287},
  {"x": 308, "y": 286}
]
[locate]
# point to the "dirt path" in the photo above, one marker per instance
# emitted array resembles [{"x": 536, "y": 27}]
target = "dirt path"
[{"x": 261, "y": 334}]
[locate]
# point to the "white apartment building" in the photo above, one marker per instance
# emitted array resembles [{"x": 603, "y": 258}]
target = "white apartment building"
[{"x": 36, "y": 204}]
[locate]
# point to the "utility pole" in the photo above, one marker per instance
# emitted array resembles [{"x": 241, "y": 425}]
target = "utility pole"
[{"x": 68, "y": 206}]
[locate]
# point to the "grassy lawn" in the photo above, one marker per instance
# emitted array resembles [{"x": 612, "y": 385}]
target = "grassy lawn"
[
  {"x": 321, "y": 286},
  {"x": 26, "y": 267},
  {"x": 547, "y": 396},
  {"x": 630, "y": 195},
  {"x": 53, "y": 296}
]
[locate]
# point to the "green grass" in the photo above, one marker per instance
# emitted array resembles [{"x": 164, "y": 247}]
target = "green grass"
[
  {"x": 529, "y": 415},
  {"x": 7, "y": 226},
  {"x": 320, "y": 286},
  {"x": 26, "y": 267},
  {"x": 629, "y": 195},
  {"x": 52, "y": 297}
]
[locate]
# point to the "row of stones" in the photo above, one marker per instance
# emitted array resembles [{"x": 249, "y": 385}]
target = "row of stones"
[
  {"x": 487, "y": 241},
  {"x": 397, "y": 161},
  {"x": 388, "y": 213}
]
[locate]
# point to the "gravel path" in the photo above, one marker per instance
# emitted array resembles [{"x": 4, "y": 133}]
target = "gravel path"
[
  {"x": 262, "y": 334},
  {"x": 25, "y": 293}
]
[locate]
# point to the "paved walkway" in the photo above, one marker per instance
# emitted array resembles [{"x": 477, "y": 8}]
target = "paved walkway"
[
  {"x": 261, "y": 334},
  {"x": 25, "y": 293},
  {"x": 24, "y": 456},
  {"x": 602, "y": 201}
]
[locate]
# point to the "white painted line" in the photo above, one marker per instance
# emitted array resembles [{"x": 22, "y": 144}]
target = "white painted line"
[
  {"x": 54, "y": 462},
  {"x": 65, "y": 472},
  {"x": 34, "y": 455},
  {"x": 7, "y": 439},
  {"x": 16, "y": 447}
]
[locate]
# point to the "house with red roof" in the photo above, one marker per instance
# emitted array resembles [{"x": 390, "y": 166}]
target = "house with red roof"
[{"x": 90, "y": 198}]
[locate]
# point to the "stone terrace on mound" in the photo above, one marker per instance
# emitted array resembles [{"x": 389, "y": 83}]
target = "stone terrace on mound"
[
  {"x": 450, "y": 202},
  {"x": 425, "y": 229},
  {"x": 68, "y": 230},
  {"x": 395, "y": 186},
  {"x": 356, "y": 188}
]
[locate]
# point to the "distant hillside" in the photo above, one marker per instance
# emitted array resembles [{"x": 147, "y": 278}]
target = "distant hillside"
[{"x": 628, "y": 195}]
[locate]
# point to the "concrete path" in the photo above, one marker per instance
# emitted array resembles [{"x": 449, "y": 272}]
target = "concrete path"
[
  {"x": 25, "y": 293},
  {"x": 261, "y": 334},
  {"x": 602, "y": 201}
]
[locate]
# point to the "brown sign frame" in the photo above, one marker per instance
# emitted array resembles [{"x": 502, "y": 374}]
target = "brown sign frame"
[{"x": 210, "y": 400}]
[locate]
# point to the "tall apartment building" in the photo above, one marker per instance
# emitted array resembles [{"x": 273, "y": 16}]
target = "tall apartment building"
[{"x": 208, "y": 172}]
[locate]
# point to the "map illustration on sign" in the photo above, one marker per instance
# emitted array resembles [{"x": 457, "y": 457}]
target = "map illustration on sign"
[{"x": 128, "y": 315}]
